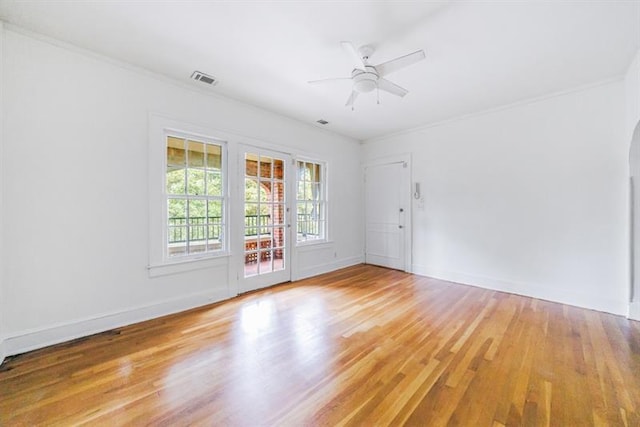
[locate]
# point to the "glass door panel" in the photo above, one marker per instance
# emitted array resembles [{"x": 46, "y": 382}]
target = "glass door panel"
[{"x": 266, "y": 240}]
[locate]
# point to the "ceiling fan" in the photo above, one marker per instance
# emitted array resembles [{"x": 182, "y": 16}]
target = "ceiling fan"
[{"x": 367, "y": 77}]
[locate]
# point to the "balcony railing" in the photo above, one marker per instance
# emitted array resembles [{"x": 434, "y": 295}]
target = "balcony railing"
[
  {"x": 307, "y": 225},
  {"x": 199, "y": 227},
  {"x": 256, "y": 224}
]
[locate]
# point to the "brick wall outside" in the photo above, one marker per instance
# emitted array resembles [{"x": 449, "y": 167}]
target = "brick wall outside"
[{"x": 276, "y": 194}]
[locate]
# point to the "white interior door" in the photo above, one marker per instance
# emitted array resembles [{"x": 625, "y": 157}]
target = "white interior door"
[
  {"x": 386, "y": 212},
  {"x": 265, "y": 235}
]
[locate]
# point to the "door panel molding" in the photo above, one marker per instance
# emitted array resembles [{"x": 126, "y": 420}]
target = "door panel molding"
[{"x": 389, "y": 243}]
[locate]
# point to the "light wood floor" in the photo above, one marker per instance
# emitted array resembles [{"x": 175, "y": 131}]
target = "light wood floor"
[{"x": 360, "y": 346}]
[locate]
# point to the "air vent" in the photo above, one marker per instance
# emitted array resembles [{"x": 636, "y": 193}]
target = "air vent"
[
  {"x": 204, "y": 78},
  {"x": 322, "y": 121}
]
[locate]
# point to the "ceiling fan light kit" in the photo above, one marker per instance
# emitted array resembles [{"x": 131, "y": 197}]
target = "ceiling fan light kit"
[
  {"x": 365, "y": 81},
  {"x": 367, "y": 77}
]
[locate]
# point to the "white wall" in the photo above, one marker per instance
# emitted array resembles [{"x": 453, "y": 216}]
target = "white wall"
[
  {"x": 2, "y": 303},
  {"x": 530, "y": 199},
  {"x": 76, "y": 191},
  {"x": 632, "y": 95}
]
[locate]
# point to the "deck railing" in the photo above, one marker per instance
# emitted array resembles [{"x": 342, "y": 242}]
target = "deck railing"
[
  {"x": 307, "y": 225},
  {"x": 199, "y": 227}
]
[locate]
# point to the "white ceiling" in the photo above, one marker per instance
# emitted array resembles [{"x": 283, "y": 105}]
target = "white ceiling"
[{"x": 480, "y": 54}]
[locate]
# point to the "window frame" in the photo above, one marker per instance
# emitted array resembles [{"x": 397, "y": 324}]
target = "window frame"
[
  {"x": 158, "y": 127},
  {"x": 223, "y": 198},
  {"x": 322, "y": 201}
]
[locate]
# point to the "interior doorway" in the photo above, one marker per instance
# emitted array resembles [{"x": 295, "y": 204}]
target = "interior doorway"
[{"x": 388, "y": 214}]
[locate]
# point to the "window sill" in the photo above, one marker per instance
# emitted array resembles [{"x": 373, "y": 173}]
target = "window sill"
[{"x": 185, "y": 265}]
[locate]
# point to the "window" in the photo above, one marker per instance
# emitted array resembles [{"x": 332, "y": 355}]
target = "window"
[
  {"x": 310, "y": 201},
  {"x": 195, "y": 197}
]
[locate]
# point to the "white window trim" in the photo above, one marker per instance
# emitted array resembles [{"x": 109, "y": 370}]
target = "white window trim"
[
  {"x": 225, "y": 197},
  {"x": 325, "y": 198},
  {"x": 159, "y": 263}
]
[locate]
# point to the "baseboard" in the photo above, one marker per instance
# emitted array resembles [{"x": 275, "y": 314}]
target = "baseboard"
[
  {"x": 599, "y": 303},
  {"x": 3, "y": 352},
  {"x": 634, "y": 310},
  {"x": 329, "y": 267},
  {"x": 43, "y": 337}
]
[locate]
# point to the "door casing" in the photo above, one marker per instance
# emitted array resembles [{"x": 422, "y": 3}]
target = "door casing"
[
  {"x": 246, "y": 284},
  {"x": 405, "y": 203}
]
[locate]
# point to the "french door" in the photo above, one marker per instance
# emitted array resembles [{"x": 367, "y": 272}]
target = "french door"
[{"x": 265, "y": 202}]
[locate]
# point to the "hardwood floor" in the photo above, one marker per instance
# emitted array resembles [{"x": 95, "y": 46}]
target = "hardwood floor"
[{"x": 360, "y": 346}]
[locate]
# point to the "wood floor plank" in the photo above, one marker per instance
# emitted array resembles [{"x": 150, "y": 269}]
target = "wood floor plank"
[{"x": 360, "y": 346}]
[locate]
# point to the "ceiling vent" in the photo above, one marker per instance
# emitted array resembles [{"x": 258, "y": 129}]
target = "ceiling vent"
[{"x": 204, "y": 78}]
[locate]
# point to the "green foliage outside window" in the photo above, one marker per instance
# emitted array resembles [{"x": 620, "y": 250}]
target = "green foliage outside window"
[{"x": 195, "y": 192}]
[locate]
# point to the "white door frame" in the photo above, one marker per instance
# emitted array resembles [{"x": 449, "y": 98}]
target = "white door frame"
[
  {"x": 406, "y": 200},
  {"x": 237, "y": 232},
  {"x": 634, "y": 225}
]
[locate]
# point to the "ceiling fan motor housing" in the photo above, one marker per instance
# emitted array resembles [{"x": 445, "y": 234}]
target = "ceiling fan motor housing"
[
  {"x": 365, "y": 81},
  {"x": 365, "y": 52}
]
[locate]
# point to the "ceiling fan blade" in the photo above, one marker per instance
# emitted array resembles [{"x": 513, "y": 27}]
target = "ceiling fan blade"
[
  {"x": 333, "y": 79},
  {"x": 353, "y": 53},
  {"x": 401, "y": 62},
  {"x": 352, "y": 99},
  {"x": 387, "y": 86}
]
